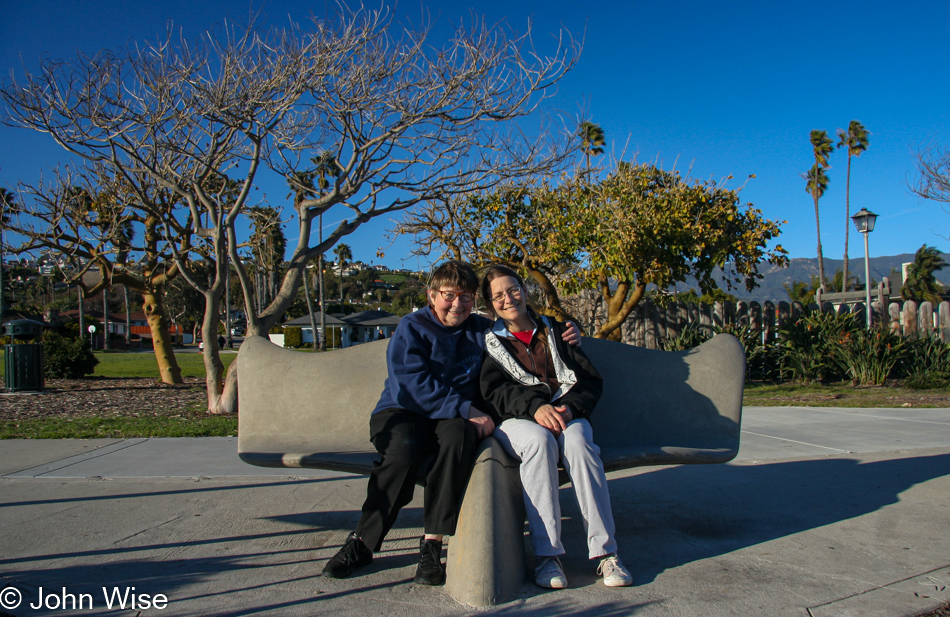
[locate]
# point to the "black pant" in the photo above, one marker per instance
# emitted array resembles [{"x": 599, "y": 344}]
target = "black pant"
[{"x": 407, "y": 441}]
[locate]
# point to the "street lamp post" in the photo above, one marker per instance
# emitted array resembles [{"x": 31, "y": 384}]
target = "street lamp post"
[{"x": 864, "y": 222}]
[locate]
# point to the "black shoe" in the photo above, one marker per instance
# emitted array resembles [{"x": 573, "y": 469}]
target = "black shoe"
[
  {"x": 430, "y": 570},
  {"x": 353, "y": 555}
]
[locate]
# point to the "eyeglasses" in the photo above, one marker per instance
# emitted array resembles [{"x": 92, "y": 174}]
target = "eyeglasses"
[
  {"x": 450, "y": 296},
  {"x": 514, "y": 292}
]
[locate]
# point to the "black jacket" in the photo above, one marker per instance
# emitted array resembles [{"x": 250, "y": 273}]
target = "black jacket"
[{"x": 511, "y": 390}]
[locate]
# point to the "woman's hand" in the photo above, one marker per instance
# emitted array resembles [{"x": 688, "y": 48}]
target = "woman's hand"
[
  {"x": 483, "y": 423},
  {"x": 548, "y": 417},
  {"x": 565, "y": 412},
  {"x": 572, "y": 335}
]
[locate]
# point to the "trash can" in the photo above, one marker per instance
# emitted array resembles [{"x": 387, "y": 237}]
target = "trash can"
[{"x": 23, "y": 368}]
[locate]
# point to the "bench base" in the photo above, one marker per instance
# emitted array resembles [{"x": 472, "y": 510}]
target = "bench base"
[{"x": 486, "y": 563}]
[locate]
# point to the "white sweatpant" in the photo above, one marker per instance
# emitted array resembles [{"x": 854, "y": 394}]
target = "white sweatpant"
[{"x": 539, "y": 452}]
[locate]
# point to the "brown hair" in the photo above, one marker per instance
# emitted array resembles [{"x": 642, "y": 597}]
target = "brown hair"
[
  {"x": 492, "y": 273},
  {"x": 454, "y": 275}
]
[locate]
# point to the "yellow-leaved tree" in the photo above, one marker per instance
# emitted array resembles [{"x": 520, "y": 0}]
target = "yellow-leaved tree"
[{"x": 638, "y": 226}]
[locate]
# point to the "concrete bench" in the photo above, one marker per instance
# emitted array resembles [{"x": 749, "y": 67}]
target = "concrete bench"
[{"x": 658, "y": 408}]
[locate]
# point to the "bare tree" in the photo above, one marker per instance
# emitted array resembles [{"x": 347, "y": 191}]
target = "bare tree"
[
  {"x": 933, "y": 167},
  {"x": 91, "y": 218},
  {"x": 406, "y": 123},
  {"x": 183, "y": 116},
  {"x": 404, "y": 118}
]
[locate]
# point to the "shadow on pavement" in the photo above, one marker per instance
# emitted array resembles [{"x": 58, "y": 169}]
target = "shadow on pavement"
[
  {"x": 665, "y": 518},
  {"x": 679, "y": 515}
]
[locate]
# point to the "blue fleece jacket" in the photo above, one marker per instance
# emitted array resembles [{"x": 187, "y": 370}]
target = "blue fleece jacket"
[{"x": 434, "y": 369}]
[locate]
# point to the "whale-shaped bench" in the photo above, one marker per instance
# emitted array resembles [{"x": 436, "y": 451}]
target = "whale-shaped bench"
[{"x": 658, "y": 408}]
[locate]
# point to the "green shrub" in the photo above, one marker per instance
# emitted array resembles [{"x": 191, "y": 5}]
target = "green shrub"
[
  {"x": 67, "y": 358},
  {"x": 71, "y": 329},
  {"x": 926, "y": 363},
  {"x": 924, "y": 355},
  {"x": 868, "y": 356},
  {"x": 929, "y": 380},
  {"x": 763, "y": 361},
  {"x": 689, "y": 337},
  {"x": 809, "y": 345},
  {"x": 293, "y": 336}
]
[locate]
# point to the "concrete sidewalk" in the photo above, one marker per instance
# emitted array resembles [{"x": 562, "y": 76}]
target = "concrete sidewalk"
[{"x": 825, "y": 512}]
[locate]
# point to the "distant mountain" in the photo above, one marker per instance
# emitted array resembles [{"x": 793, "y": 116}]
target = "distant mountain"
[{"x": 771, "y": 286}]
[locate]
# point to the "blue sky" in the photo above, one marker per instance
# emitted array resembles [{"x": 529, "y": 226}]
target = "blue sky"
[{"x": 726, "y": 88}]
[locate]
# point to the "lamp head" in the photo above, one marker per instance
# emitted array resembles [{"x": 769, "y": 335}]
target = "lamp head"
[{"x": 864, "y": 220}]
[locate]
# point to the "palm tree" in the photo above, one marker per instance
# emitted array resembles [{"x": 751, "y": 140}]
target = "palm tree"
[
  {"x": 837, "y": 281},
  {"x": 816, "y": 184},
  {"x": 592, "y": 140},
  {"x": 269, "y": 244},
  {"x": 803, "y": 292},
  {"x": 921, "y": 283},
  {"x": 855, "y": 139},
  {"x": 342, "y": 252}
]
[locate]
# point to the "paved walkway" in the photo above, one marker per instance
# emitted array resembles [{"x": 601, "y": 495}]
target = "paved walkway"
[{"x": 825, "y": 512}]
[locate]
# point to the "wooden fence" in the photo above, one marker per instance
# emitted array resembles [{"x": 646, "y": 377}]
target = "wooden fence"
[{"x": 649, "y": 324}]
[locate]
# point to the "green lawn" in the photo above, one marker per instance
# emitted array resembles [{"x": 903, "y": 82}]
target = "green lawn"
[
  {"x": 125, "y": 364},
  {"x": 122, "y": 364},
  {"x": 841, "y": 395},
  {"x": 393, "y": 278}
]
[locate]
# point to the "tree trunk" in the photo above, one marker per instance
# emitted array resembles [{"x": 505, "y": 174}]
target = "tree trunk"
[
  {"x": 214, "y": 368},
  {"x": 619, "y": 306},
  {"x": 128, "y": 318},
  {"x": 82, "y": 311},
  {"x": 323, "y": 301},
  {"x": 847, "y": 222},
  {"x": 821, "y": 257},
  {"x": 227, "y": 300},
  {"x": 161, "y": 338},
  {"x": 226, "y": 402},
  {"x": 313, "y": 321},
  {"x": 553, "y": 306},
  {"x": 105, "y": 318}
]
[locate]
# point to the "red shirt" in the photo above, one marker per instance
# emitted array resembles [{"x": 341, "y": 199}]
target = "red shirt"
[{"x": 524, "y": 337}]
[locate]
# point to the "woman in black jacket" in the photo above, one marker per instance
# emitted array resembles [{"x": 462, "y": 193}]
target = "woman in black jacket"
[{"x": 542, "y": 391}]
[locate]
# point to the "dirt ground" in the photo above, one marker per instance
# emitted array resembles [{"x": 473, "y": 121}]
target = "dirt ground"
[{"x": 98, "y": 398}]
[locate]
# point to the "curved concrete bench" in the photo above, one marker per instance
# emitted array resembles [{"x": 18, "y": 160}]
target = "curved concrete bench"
[{"x": 658, "y": 408}]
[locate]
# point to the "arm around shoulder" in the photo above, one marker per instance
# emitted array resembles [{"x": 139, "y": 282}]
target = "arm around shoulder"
[{"x": 585, "y": 394}]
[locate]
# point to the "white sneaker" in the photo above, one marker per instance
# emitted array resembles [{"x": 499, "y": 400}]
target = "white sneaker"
[
  {"x": 550, "y": 574},
  {"x": 615, "y": 575}
]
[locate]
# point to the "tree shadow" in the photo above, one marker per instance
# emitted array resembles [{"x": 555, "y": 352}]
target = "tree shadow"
[
  {"x": 679, "y": 515},
  {"x": 297, "y": 481}
]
